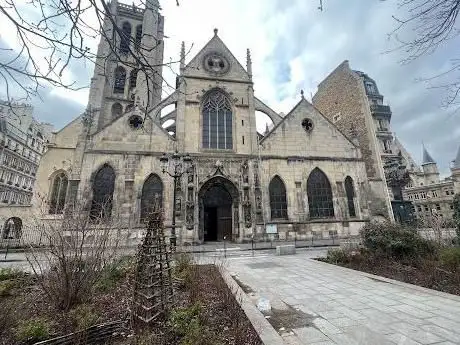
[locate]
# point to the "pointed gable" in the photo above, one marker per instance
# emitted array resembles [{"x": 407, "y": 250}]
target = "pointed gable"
[
  {"x": 120, "y": 135},
  {"x": 215, "y": 60},
  {"x": 306, "y": 132}
]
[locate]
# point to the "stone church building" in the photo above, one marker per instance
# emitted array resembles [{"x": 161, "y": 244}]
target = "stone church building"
[{"x": 305, "y": 175}]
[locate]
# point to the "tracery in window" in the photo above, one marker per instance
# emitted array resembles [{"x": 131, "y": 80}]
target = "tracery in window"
[
  {"x": 217, "y": 121},
  {"x": 319, "y": 195},
  {"x": 278, "y": 204},
  {"x": 152, "y": 195},
  {"x": 103, "y": 188},
  {"x": 58, "y": 193}
]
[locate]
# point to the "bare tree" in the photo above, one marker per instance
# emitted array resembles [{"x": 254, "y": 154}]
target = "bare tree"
[
  {"x": 426, "y": 26},
  {"x": 53, "y": 35},
  {"x": 77, "y": 248}
]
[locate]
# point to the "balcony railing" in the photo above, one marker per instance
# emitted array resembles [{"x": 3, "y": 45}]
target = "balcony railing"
[{"x": 381, "y": 109}]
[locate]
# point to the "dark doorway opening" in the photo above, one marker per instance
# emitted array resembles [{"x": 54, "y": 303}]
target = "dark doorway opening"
[{"x": 217, "y": 214}]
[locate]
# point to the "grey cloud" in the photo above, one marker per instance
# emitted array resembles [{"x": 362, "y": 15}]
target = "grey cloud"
[{"x": 358, "y": 31}]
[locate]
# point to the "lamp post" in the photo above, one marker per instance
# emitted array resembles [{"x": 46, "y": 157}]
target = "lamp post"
[{"x": 175, "y": 166}]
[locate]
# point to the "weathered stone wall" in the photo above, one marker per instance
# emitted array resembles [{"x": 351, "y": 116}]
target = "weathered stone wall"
[{"x": 341, "y": 98}]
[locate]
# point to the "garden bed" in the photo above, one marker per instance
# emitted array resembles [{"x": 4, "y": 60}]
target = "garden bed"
[
  {"x": 205, "y": 311},
  {"x": 427, "y": 273}
]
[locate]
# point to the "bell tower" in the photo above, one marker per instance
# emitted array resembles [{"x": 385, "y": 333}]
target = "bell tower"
[{"x": 118, "y": 81}]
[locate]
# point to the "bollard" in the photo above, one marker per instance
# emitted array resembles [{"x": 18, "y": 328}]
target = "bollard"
[
  {"x": 312, "y": 236},
  {"x": 225, "y": 247},
  {"x": 295, "y": 240},
  {"x": 333, "y": 237},
  {"x": 252, "y": 244}
]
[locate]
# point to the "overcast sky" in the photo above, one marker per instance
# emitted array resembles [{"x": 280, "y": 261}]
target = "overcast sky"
[{"x": 294, "y": 46}]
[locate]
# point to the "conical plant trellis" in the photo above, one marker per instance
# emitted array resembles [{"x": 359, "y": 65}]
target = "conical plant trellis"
[{"x": 153, "y": 288}]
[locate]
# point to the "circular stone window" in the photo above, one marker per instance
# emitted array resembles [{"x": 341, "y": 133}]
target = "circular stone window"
[
  {"x": 135, "y": 122},
  {"x": 216, "y": 63},
  {"x": 307, "y": 125}
]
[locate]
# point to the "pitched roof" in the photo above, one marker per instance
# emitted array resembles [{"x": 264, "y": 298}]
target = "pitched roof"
[
  {"x": 304, "y": 102},
  {"x": 427, "y": 159}
]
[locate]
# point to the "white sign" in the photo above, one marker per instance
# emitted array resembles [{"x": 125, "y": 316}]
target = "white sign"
[{"x": 271, "y": 229}]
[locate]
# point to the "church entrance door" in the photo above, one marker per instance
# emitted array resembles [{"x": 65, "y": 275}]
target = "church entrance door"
[{"x": 216, "y": 201}]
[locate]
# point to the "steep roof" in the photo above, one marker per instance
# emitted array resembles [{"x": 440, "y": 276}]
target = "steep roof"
[
  {"x": 457, "y": 160},
  {"x": 427, "y": 159}
]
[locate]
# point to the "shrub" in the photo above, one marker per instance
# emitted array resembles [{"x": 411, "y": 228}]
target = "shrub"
[
  {"x": 77, "y": 249},
  {"x": 83, "y": 317},
  {"x": 397, "y": 241},
  {"x": 335, "y": 256},
  {"x": 6, "y": 286},
  {"x": 114, "y": 272},
  {"x": 184, "y": 268},
  {"x": 450, "y": 258},
  {"x": 33, "y": 330},
  {"x": 185, "y": 320},
  {"x": 10, "y": 273}
]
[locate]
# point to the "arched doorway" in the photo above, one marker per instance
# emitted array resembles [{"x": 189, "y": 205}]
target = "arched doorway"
[
  {"x": 12, "y": 228},
  {"x": 218, "y": 210}
]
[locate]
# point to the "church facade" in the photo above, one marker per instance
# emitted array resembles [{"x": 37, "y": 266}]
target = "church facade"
[{"x": 304, "y": 177}]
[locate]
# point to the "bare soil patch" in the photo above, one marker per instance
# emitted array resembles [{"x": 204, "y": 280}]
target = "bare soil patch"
[{"x": 204, "y": 293}]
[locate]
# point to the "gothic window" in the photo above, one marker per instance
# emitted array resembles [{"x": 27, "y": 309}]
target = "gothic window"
[
  {"x": 125, "y": 38},
  {"x": 58, "y": 193},
  {"x": 278, "y": 204},
  {"x": 133, "y": 78},
  {"x": 138, "y": 36},
  {"x": 152, "y": 196},
  {"x": 103, "y": 188},
  {"x": 350, "y": 191},
  {"x": 12, "y": 228},
  {"x": 217, "y": 122},
  {"x": 319, "y": 195},
  {"x": 120, "y": 80},
  {"x": 117, "y": 109}
]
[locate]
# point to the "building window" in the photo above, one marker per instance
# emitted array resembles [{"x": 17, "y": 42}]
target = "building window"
[
  {"x": 434, "y": 194},
  {"x": 419, "y": 208},
  {"x": 133, "y": 78},
  {"x": 125, "y": 38},
  {"x": 217, "y": 122},
  {"x": 319, "y": 195},
  {"x": 370, "y": 87},
  {"x": 138, "y": 36},
  {"x": 387, "y": 146},
  {"x": 117, "y": 109},
  {"x": 438, "y": 207},
  {"x": 383, "y": 125},
  {"x": 278, "y": 204},
  {"x": 103, "y": 188},
  {"x": 350, "y": 192},
  {"x": 58, "y": 193},
  {"x": 422, "y": 195},
  {"x": 152, "y": 196},
  {"x": 120, "y": 80}
]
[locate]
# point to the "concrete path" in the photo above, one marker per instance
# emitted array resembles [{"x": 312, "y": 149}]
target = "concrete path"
[{"x": 322, "y": 304}]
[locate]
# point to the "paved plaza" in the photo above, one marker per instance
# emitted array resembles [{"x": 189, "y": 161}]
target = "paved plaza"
[{"x": 317, "y": 303}]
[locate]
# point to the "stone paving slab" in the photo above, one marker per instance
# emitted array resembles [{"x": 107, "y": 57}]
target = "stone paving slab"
[{"x": 347, "y": 306}]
